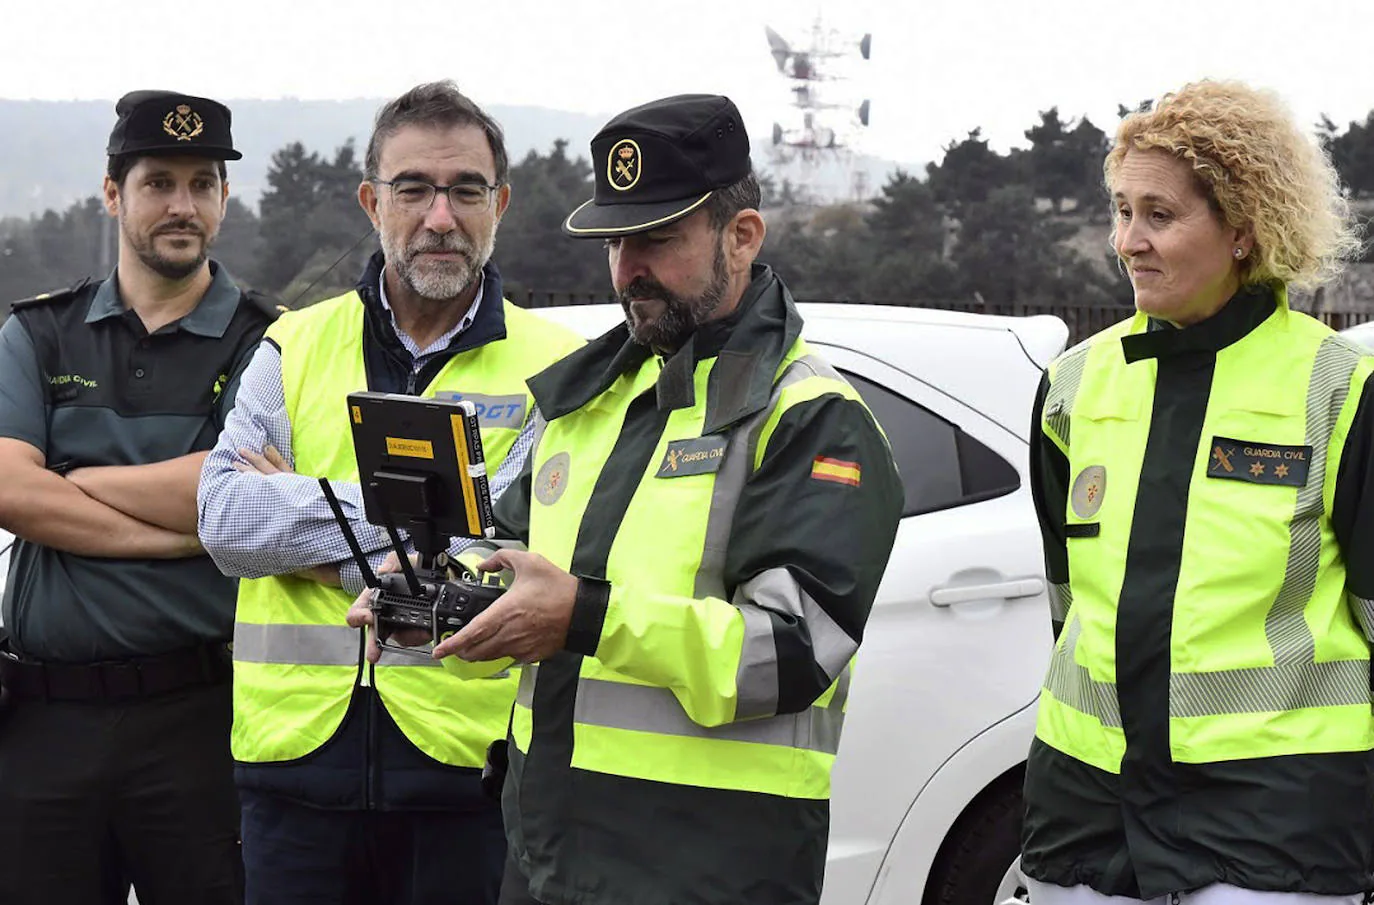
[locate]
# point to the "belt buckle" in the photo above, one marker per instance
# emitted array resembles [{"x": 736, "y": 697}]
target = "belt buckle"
[{"x": 120, "y": 679}]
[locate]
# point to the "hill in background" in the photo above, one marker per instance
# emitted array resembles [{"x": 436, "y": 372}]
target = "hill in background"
[{"x": 52, "y": 152}]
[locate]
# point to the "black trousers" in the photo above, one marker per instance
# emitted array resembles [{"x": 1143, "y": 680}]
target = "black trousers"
[
  {"x": 96, "y": 794},
  {"x": 515, "y": 887},
  {"x": 295, "y": 854}
]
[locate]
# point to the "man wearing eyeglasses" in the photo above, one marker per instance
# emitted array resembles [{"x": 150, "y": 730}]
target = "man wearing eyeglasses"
[{"x": 361, "y": 783}]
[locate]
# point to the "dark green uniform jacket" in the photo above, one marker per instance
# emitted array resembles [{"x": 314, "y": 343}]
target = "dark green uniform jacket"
[{"x": 716, "y": 791}]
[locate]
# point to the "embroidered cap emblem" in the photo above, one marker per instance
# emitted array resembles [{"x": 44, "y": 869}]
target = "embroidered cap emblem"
[
  {"x": 1089, "y": 490},
  {"x": 623, "y": 165},
  {"x": 183, "y": 123},
  {"x": 552, "y": 479}
]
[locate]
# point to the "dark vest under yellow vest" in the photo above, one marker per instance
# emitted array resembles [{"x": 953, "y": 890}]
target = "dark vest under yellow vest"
[
  {"x": 1267, "y": 657},
  {"x": 295, "y": 661}
]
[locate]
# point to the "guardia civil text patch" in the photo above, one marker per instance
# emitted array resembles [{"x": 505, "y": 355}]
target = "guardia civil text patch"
[
  {"x": 689, "y": 457},
  {"x": 1259, "y": 463}
]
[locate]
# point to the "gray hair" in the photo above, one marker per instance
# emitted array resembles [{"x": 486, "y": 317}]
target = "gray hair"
[{"x": 434, "y": 105}]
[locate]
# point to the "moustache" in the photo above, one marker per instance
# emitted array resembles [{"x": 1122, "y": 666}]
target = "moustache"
[
  {"x": 643, "y": 288},
  {"x": 431, "y": 242},
  {"x": 179, "y": 226}
]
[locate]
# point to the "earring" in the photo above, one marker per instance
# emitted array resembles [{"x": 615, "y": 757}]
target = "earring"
[{"x": 1239, "y": 253}]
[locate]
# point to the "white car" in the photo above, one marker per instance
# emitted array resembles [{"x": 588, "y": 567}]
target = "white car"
[
  {"x": 926, "y": 806},
  {"x": 1361, "y": 333}
]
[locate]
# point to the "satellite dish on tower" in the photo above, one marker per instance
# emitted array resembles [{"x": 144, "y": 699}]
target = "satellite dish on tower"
[{"x": 825, "y": 121}]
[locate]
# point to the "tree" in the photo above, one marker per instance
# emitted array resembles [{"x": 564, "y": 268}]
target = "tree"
[
  {"x": 1065, "y": 160},
  {"x": 827, "y": 256},
  {"x": 310, "y": 212},
  {"x": 908, "y": 233},
  {"x": 1009, "y": 252},
  {"x": 1122, "y": 111},
  {"x": 531, "y": 248},
  {"x": 22, "y": 271},
  {"x": 1054, "y": 170},
  {"x": 968, "y": 172},
  {"x": 1352, "y": 153},
  {"x": 239, "y": 245}
]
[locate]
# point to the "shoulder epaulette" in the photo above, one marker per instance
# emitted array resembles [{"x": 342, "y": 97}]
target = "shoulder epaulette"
[
  {"x": 48, "y": 298},
  {"x": 265, "y": 303}
]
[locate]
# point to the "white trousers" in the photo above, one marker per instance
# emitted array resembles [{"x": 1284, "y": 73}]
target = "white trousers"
[{"x": 1216, "y": 894}]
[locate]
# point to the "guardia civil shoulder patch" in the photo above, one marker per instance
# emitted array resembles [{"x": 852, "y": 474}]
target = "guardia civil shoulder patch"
[
  {"x": 552, "y": 479},
  {"x": 1259, "y": 463},
  {"x": 1089, "y": 490},
  {"x": 838, "y": 471}
]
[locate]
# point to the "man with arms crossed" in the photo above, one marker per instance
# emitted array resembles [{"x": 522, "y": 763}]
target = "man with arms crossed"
[
  {"x": 114, "y": 757},
  {"x": 361, "y": 783}
]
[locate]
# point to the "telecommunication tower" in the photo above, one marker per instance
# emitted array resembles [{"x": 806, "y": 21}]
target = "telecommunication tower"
[{"x": 825, "y": 120}]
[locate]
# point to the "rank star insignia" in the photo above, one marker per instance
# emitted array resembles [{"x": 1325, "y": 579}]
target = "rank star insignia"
[
  {"x": 1257, "y": 462},
  {"x": 623, "y": 165},
  {"x": 183, "y": 123}
]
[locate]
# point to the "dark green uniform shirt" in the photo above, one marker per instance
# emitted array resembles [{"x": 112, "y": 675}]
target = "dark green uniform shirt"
[{"x": 83, "y": 381}]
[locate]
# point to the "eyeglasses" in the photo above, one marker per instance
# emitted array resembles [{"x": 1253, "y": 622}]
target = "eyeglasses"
[{"x": 417, "y": 196}]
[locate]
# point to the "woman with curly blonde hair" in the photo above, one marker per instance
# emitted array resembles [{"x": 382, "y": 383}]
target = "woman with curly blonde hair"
[{"x": 1204, "y": 478}]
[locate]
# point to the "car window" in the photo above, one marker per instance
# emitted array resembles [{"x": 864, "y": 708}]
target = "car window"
[{"x": 941, "y": 466}]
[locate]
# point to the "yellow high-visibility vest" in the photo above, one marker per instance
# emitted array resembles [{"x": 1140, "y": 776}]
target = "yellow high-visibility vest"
[{"x": 295, "y": 661}]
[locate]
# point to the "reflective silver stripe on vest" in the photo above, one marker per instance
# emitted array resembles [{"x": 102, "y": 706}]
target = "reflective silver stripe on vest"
[
  {"x": 310, "y": 645},
  {"x": 645, "y": 708},
  {"x": 1061, "y": 598},
  {"x": 841, "y": 697},
  {"x": 756, "y": 682},
  {"x": 1269, "y": 689},
  {"x": 1296, "y": 680},
  {"x": 1363, "y": 608},
  {"x": 524, "y": 691},
  {"x": 734, "y": 472},
  {"x": 1290, "y": 638},
  {"x": 1073, "y": 686},
  {"x": 303, "y": 645},
  {"x": 1064, "y": 390}
]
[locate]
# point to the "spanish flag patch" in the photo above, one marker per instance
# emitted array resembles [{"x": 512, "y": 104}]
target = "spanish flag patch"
[{"x": 836, "y": 470}]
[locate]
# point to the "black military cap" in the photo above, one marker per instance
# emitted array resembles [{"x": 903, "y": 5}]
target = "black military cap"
[
  {"x": 168, "y": 122},
  {"x": 660, "y": 162}
]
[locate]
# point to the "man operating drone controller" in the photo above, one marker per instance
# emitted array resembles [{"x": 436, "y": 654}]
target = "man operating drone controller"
[{"x": 688, "y": 635}]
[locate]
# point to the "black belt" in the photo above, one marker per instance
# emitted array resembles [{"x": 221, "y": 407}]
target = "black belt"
[{"x": 114, "y": 680}]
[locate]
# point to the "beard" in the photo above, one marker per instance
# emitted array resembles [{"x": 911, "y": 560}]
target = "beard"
[
  {"x": 681, "y": 314},
  {"x": 168, "y": 268},
  {"x": 438, "y": 280}
]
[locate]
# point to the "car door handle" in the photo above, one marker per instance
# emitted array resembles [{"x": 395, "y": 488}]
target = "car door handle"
[{"x": 1002, "y": 590}]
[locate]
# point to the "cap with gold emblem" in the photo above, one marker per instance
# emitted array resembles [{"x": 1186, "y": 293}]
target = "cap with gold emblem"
[
  {"x": 660, "y": 162},
  {"x": 167, "y": 122}
]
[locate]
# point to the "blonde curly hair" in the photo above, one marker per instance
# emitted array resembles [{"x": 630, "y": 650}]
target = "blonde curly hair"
[{"x": 1258, "y": 171}]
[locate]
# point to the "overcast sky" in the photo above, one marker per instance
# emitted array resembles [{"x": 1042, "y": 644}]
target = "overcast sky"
[{"x": 938, "y": 68}]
